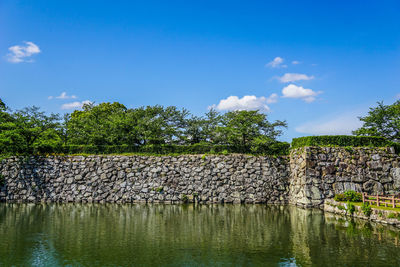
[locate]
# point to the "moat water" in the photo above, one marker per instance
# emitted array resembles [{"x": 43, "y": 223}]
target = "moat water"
[{"x": 189, "y": 235}]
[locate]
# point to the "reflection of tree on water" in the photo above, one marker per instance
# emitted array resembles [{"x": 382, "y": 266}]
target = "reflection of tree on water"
[{"x": 154, "y": 235}]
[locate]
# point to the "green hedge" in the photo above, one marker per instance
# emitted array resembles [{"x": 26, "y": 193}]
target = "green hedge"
[
  {"x": 341, "y": 140},
  {"x": 275, "y": 148}
]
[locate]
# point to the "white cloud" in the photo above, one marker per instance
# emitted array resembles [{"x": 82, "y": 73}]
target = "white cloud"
[
  {"x": 292, "y": 77},
  {"x": 273, "y": 98},
  {"x": 75, "y": 105},
  {"x": 276, "y": 63},
  {"x": 342, "y": 124},
  {"x": 22, "y": 53},
  {"x": 247, "y": 102},
  {"x": 295, "y": 62},
  {"x": 63, "y": 96},
  {"x": 294, "y": 91}
]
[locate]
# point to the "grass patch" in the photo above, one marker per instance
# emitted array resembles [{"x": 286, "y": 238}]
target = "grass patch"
[{"x": 359, "y": 204}]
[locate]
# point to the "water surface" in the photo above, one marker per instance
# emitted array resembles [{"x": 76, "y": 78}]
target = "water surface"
[{"x": 189, "y": 235}]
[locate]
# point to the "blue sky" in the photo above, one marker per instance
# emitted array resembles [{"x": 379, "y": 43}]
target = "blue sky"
[{"x": 316, "y": 64}]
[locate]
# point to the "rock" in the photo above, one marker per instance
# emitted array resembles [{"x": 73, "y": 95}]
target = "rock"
[
  {"x": 395, "y": 174},
  {"x": 373, "y": 187}
]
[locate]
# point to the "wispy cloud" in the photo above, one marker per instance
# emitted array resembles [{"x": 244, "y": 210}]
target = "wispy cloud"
[
  {"x": 341, "y": 124},
  {"x": 75, "y": 105},
  {"x": 63, "y": 95},
  {"x": 22, "y": 53},
  {"x": 295, "y": 62},
  {"x": 247, "y": 102},
  {"x": 294, "y": 91},
  {"x": 292, "y": 77},
  {"x": 276, "y": 63},
  {"x": 273, "y": 98}
]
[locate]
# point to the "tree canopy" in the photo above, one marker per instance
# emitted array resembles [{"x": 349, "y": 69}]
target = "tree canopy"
[
  {"x": 382, "y": 120},
  {"x": 113, "y": 124}
]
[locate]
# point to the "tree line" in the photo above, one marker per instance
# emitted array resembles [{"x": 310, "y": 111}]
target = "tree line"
[
  {"x": 114, "y": 128},
  {"x": 150, "y": 128}
]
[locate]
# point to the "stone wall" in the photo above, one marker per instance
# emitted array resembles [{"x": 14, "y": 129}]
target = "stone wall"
[
  {"x": 307, "y": 177},
  {"x": 318, "y": 173},
  {"x": 126, "y": 179}
]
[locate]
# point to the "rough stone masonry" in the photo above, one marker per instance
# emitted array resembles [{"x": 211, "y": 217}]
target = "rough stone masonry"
[{"x": 306, "y": 177}]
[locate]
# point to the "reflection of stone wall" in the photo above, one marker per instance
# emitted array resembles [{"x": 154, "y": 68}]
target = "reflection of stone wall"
[
  {"x": 319, "y": 173},
  {"x": 307, "y": 177},
  {"x": 233, "y": 178},
  {"x": 377, "y": 215}
]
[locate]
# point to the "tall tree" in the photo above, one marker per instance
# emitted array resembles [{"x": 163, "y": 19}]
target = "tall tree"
[
  {"x": 242, "y": 127},
  {"x": 382, "y": 120},
  {"x": 29, "y": 127},
  {"x": 97, "y": 125}
]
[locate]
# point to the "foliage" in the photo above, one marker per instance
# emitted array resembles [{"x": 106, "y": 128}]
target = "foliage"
[
  {"x": 2, "y": 180},
  {"x": 353, "y": 196},
  {"x": 383, "y": 120},
  {"x": 243, "y": 127},
  {"x": 28, "y": 130},
  {"x": 159, "y": 189},
  {"x": 266, "y": 145},
  {"x": 366, "y": 209},
  {"x": 109, "y": 128},
  {"x": 339, "y": 197},
  {"x": 350, "y": 208},
  {"x": 184, "y": 198},
  {"x": 349, "y": 195},
  {"x": 340, "y": 140},
  {"x": 393, "y": 215}
]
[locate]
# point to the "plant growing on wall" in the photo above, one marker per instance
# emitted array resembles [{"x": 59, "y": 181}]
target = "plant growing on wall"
[
  {"x": 349, "y": 195},
  {"x": 353, "y": 196},
  {"x": 350, "y": 208},
  {"x": 366, "y": 209}
]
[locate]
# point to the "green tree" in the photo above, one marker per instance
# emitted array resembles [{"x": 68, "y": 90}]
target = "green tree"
[
  {"x": 109, "y": 124},
  {"x": 114, "y": 124},
  {"x": 195, "y": 130},
  {"x": 242, "y": 127},
  {"x": 98, "y": 125},
  {"x": 3, "y": 106},
  {"x": 383, "y": 120},
  {"x": 28, "y": 129},
  {"x": 212, "y": 121}
]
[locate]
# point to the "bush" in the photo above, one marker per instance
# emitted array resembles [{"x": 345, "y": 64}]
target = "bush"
[
  {"x": 184, "y": 198},
  {"x": 265, "y": 145},
  {"x": 340, "y": 197},
  {"x": 353, "y": 196},
  {"x": 341, "y": 140},
  {"x": 366, "y": 209},
  {"x": 349, "y": 195},
  {"x": 274, "y": 148},
  {"x": 351, "y": 208}
]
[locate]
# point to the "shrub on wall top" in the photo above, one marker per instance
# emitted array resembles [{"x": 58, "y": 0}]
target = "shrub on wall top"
[
  {"x": 341, "y": 140},
  {"x": 272, "y": 148}
]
